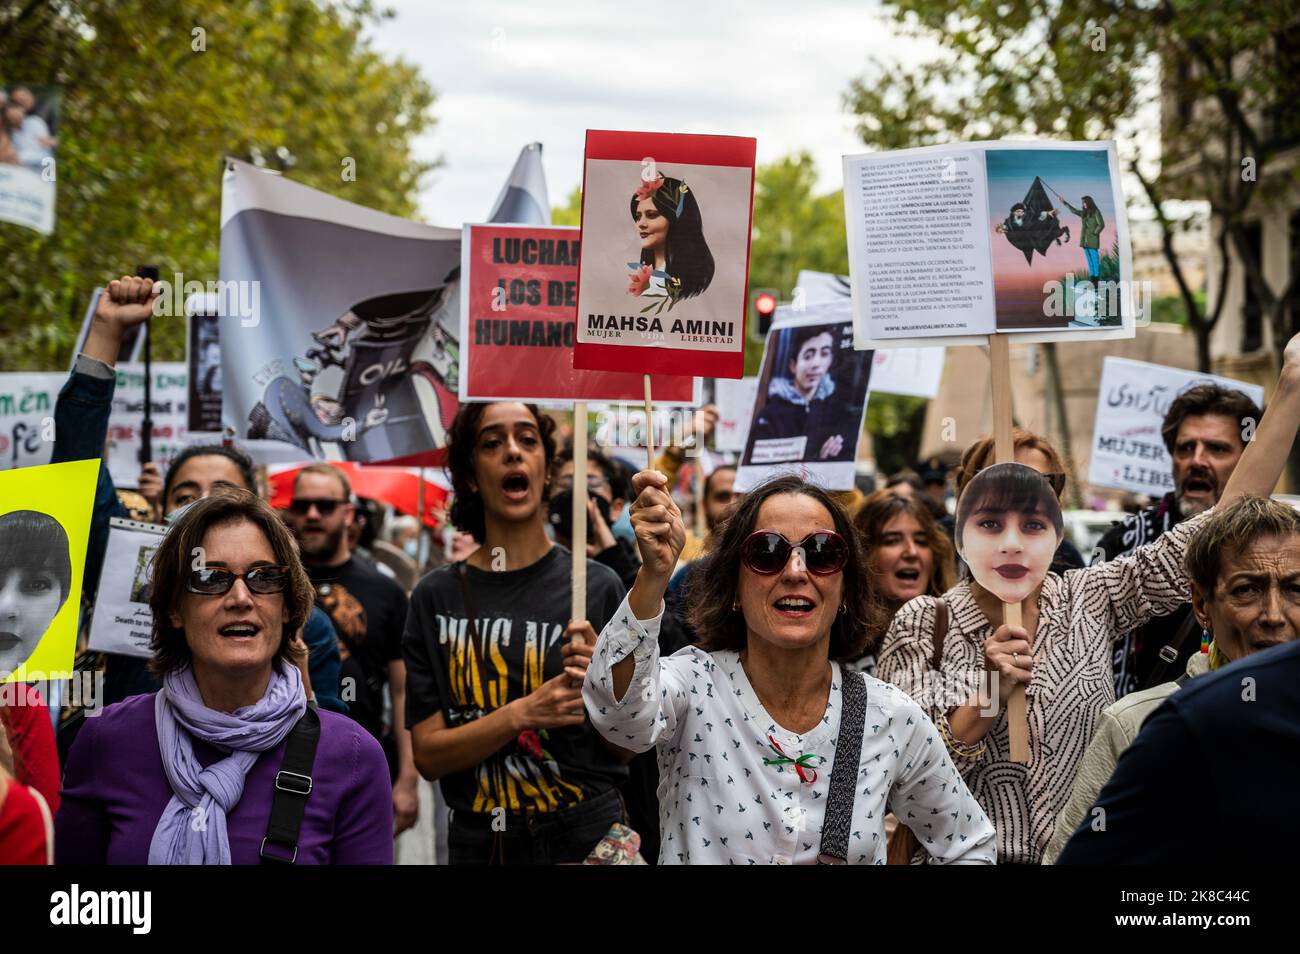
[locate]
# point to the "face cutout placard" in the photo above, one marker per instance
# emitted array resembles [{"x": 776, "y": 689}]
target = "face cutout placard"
[
  {"x": 44, "y": 525},
  {"x": 1008, "y": 528}
]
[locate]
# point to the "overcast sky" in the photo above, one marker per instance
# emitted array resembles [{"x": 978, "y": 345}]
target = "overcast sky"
[{"x": 509, "y": 73}]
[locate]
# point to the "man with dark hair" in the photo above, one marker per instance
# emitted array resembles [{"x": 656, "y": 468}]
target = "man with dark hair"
[
  {"x": 368, "y": 610},
  {"x": 1204, "y": 431}
]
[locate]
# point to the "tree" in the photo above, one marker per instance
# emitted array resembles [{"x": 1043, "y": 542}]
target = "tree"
[
  {"x": 1093, "y": 70},
  {"x": 156, "y": 93},
  {"x": 571, "y": 212}
]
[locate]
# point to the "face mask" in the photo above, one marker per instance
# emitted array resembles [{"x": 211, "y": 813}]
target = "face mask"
[
  {"x": 412, "y": 547},
  {"x": 178, "y": 513}
]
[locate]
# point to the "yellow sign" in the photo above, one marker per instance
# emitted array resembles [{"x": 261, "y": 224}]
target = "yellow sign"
[{"x": 44, "y": 528}]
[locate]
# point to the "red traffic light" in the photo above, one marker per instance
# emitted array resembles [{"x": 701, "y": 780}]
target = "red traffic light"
[{"x": 765, "y": 304}]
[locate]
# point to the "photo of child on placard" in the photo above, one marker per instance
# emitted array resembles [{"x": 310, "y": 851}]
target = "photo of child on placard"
[
  {"x": 1008, "y": 528},
  {"x": 35, "y": 582}
]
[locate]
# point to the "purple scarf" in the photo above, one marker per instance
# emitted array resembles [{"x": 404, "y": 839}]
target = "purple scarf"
[{"x": 192, "y": 829}]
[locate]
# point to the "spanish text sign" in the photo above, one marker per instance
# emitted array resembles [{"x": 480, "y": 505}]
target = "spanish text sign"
[
  {"x": 1127, "y": 449},
  {"x": 517, "y": 327},
  {"x": 665, "y": 253}
]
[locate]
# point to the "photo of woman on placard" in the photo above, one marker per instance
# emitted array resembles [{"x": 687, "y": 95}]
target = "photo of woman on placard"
[
  {"x": 1009, "y": 525},
  {"x": 802, "y": 401},
  {"x": 35, "y": 577},
  {"x": 675, "y": 261}
]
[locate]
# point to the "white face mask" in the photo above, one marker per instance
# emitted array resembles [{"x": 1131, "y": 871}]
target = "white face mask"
[{"x": 412, "y": 547}]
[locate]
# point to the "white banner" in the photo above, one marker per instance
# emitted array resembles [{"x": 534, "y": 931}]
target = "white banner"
[
  {"x": 170, "y": 418},
  {"x": 1127, "y": 450},
  {"x": 27, "y": 417},
  {"x": 27, "y": 197},
  {"x": 123, "y": 622},
  {"x": 735, "y": 401}
]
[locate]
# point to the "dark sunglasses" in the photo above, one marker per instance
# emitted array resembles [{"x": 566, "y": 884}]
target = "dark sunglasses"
[
  {"x": 767, "y": 552},
  {"x": 326, "y": 507},
  {"x": 217, "y": 581}
]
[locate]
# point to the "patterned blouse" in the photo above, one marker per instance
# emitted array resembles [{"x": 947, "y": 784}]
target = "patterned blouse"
[
  {"x": 1080, "y": 615},
  {"x": 737, "y": 788}
]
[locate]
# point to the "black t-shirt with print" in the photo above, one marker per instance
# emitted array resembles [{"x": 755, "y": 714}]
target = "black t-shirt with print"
[
  {"x": 368, "y": 610},
  {"x": 522, "y": 615}
]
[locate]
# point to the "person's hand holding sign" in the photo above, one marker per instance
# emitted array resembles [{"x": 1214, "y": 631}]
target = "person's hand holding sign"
[
  {"x": 832, "y": 446},
  {"x": 660, "y": 537},
  {"x": 1008, "y": 653}
]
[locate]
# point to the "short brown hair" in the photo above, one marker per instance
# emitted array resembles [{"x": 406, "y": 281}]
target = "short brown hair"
[
  {"x": 715, "y": 583},
  {"x": 1207, "y": 399},
  {"x": 981, "y": 454},
  {"x": 172, "y": 560},
  {"x": 329, "y": 471},
  {"x": 883, "y": 506},
  {"x": 1229, "y": 531}
]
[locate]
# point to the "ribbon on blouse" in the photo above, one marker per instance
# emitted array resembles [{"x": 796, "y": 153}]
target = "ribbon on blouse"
[{"x": 799, "y": 764}]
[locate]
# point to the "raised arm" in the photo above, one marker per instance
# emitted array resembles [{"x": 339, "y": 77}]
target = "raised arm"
[{"x": 1269, "y": 447}]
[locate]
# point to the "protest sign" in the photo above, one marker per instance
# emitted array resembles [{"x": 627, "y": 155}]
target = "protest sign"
[
  {"x": 27, "y": 417},
  {"x": 346, "y": 330},
  {"x": 27, "y": 163},
  {"x": 735, "y": 401},
  {"x": 915, "y": 372},
  {"x": 665, "y": 253},
  {"x": 132, "y": 338},
  {"x": 203, "y": 364},
  {"x": 44, "y": 526},
  {"x": 1128, "y": 452},
  {"x": 169, "y": 413},
  {"x": 123, "y": 622},
  {"x": 812, "y": 399},
  {"x": 951, "y": 242},
  {"x": 517, "y": 327}
]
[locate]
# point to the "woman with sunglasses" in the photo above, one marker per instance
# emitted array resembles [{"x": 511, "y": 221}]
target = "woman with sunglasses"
[
  {"x": 747, "y": 723},
  {"x": 1062, "y": 652},
  {"x": 227, "y": 763}
]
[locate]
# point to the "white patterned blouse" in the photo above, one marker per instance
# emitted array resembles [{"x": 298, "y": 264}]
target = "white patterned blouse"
[{"x": 736, "y": 788}]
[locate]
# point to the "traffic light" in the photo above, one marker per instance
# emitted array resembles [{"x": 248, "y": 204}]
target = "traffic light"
[{"x": 763, "y": 302}]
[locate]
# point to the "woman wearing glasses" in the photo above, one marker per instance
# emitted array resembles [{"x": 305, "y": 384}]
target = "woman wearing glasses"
[
  {"x": 226, "y": 764},
  {"x": 747, "y": 725},
  {"x": 954, "y": 655}
]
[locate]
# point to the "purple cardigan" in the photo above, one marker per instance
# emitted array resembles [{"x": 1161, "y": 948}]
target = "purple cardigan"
[{"x": 115, "y": 790}]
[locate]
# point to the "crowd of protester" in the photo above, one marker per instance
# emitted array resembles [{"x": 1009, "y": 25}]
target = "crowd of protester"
[{"x": 816, "y": 677}]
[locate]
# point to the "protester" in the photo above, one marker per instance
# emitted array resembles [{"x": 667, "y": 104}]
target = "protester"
[
  {"x": 25, "y": 720},
  {"x": 1032, "y": 451},
  {"x": 606, "y": 497},
  {"x": 746, "y": 725},
  {"x": 193, "y": 773},
  {"x": 1203, "y": 430},
  {"x": 80, "y": 424},
  {"x": 1075, "y": 618},
  {"x": 1244, "y": 565},
  {"x": 368, "y": 610},
  {"x": 1211, "y": 778},
  {"x": 26, "y": 830},
  {"x": 494, "y": 662},
  {"x": 907, "y": 556}
]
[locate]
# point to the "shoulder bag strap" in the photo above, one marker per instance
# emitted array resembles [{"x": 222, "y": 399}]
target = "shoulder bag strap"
[
  {"x": 1171, "y": 650},
  {"x": 293, "y": 785},
  {"x": 844, "y": 773}
]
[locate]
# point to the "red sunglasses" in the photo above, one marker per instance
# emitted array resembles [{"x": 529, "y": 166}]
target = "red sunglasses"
[{"x": 823, "y": 552}]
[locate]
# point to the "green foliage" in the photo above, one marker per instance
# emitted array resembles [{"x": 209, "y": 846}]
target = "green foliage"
[
  {"x": 571, "y": 212},
  {"x": 894, "y": 422},
  {"x": 147, "y": 119}
]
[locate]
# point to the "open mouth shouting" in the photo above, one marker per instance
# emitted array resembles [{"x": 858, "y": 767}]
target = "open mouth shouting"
[
  {"x": 908, "y": 575},
  {"x": 242, "y": 629},
  {"x": 795, "y": 607},
  {"x": 516, "y": 486},
  {"x": 1199, "y": 485}
]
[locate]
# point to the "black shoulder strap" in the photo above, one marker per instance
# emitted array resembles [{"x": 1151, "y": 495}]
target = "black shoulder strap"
[
  {"x": 844, "y": 773},
  {"x": 1170, "y": 652},
  {"x": 292, "y": 787}
]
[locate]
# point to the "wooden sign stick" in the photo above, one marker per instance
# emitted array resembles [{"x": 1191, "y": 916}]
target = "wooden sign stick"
[
  {"x": 649, "y": 427},
  {"x": 1005, "y": 453},
  {"x": 578, "y": 605}
]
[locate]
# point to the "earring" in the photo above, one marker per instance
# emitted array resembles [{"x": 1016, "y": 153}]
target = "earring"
[
  {"x": 735, "y": 606},
  {"x": 1206, "y": 638},
  {"x": 844, "y": 608}
]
